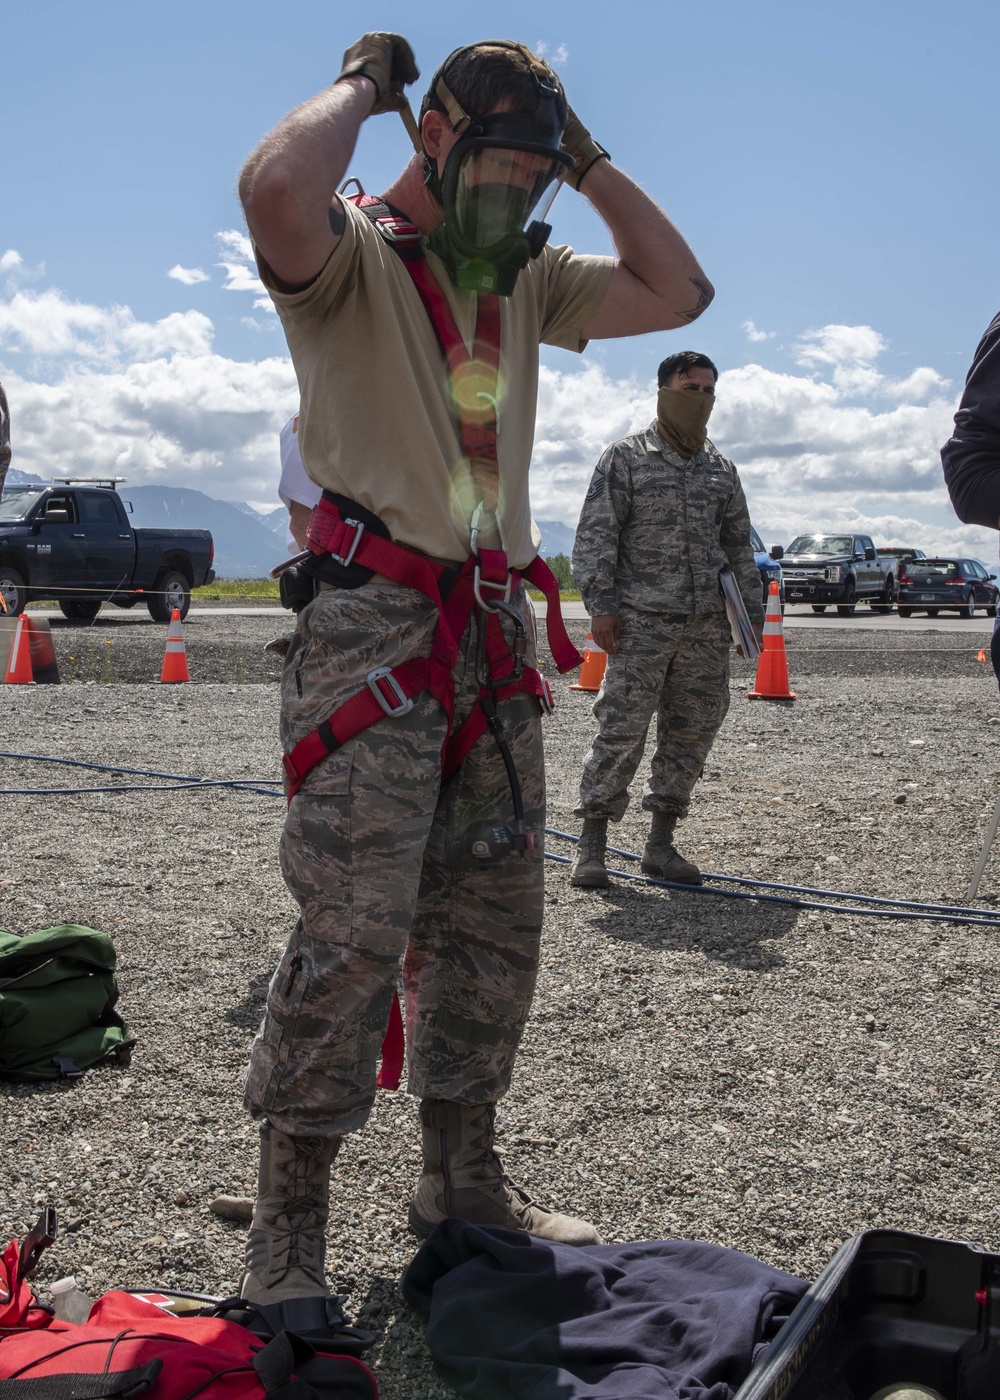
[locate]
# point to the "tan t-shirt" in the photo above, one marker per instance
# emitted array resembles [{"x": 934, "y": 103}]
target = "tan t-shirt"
[{"x": 376, "y": 422}]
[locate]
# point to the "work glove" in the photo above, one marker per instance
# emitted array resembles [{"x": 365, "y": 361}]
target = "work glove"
[
  {"x": 388, "y": 61},
  {"x": 578, "y": 143}
]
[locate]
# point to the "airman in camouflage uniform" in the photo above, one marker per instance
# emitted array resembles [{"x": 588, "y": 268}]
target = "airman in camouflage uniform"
[
  {"x": 663, "y": 515},
  {"x": 375, "y": 842}
]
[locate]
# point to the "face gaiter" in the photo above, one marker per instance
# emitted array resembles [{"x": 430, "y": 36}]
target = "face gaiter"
[{"x": 682, "y": 417}]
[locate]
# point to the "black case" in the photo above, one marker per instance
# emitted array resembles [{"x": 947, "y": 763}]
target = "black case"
[{"x": 889, "y": 1308}]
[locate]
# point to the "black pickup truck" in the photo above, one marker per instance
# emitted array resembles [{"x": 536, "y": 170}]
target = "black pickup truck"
[
  {"x": 841, "y": 569},
  {"x": 73, "y": 541}
]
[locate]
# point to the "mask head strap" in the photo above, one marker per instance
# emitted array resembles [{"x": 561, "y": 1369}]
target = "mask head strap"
[{"x": 462, "y": 122}]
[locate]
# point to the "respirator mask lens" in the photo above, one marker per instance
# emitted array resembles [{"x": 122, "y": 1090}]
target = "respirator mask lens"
[{"x": 497, "y": 190}]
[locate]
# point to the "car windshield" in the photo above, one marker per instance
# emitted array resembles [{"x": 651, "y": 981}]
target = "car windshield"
[
  {"x": 935, "y": 568},
  {"x": 756, "y": 543},
  {"x": 822, "y": 544},
  {"x": 18, "y": 500}
]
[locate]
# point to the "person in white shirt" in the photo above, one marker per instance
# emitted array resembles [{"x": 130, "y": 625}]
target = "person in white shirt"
[{"x": 296, "y": 490}]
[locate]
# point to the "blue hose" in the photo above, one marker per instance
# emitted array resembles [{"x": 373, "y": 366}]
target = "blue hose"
[{"x": 888, "y": 908}]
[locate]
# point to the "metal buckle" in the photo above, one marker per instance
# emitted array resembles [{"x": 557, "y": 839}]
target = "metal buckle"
[
  {"x": 345, "y": 559},
  {"x": 384, "y": 673},
  {"x": 479, "y": 583},
  {"x": 547, "y": 698}
]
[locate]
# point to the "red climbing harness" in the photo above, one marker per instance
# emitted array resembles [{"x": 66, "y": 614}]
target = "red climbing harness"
[{"x": 482, "y": 580}]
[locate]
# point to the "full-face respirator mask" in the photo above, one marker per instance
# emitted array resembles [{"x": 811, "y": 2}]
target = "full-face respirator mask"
[{"x": 505, "y": 170}]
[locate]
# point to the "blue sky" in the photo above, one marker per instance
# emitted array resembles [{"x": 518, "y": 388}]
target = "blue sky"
[{"x": 834, "y": 168}]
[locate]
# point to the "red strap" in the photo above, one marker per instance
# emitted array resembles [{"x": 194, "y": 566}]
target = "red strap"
[
  {"x": 359, "y": 713},
  {"x": 564, "y": 653},
  {"x": 393, "y": 1048},
  {"x": 474, "y": 391},
  {"x": 473, "y": 727}
]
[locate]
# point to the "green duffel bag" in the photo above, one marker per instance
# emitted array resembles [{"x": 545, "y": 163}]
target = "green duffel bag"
[{"x": 57, "y": 999}]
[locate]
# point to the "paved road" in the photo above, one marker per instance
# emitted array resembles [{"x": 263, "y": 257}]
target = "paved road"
[{"x": 795, "y": 617}]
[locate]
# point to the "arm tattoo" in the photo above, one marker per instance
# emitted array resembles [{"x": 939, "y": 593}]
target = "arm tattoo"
[
  {"x": 337, "y": 217},
  {"x": 704, "y": 299}
]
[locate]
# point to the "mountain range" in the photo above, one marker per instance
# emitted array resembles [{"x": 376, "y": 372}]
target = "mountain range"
[{"x": 248, "y": 542}]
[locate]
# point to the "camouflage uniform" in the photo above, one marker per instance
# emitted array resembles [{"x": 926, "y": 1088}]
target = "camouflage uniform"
[
  {"x": 654, "y": 532},
  {"x": 374, "y": 852}
]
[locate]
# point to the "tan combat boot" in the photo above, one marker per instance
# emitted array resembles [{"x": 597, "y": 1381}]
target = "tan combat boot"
[
  {"x": 588, "y": 871},
  {"x": 661, "y": 859},
  {"x": 464, "y": 1177},
  {"x": 286, "y": 1246}
]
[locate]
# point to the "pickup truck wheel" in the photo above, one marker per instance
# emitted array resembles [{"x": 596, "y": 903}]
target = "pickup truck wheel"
[
  {"x": 846, "y": 608},
  {"x": 80, "y": 610},
  {"x": 171, "y": 590},
  {"x": 13, "y": 590},
  {"x": 818, "y": 607},
  {"x": 905, "y": 612},
  {"x": 885, "y": 600}
]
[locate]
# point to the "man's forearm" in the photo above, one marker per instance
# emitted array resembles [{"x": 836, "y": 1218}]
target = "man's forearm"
[
  {"x": 650, "y": 249},
  {"x": 288, "y": 183}
]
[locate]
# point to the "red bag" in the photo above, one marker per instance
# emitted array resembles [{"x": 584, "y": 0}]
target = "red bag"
[
  {"x": 129, "y": 1347},
  {"x": 18, "y": 1305}
]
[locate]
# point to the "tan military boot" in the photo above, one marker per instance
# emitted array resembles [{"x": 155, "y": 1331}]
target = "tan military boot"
[
  {"x": 464, "y": 1177},
  {"x": 286, "y": 1246},
  {"x": 588, "y": 871},
  {"x": 661, "y": 859}
]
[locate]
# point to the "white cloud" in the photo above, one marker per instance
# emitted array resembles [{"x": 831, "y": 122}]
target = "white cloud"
[
  {"x": 557, "y": 58},
  {"x": 10, "y": 259},
  {"x": 94, "y": 390},
  {"x": 238, "y": 262},
  {"x": 47, "y": 325},
  {"x": 754, "y": 334},
  {"x": 188, "y": 275},
  {"x": 918, "y": 385},
  {"x": 840, "y": 345}
]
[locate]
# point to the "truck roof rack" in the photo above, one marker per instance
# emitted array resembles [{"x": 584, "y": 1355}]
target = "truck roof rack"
[{"x": 108, "y": 482}]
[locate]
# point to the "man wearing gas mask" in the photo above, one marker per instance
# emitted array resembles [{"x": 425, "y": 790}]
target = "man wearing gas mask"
[
  {"x": 411, "y": 698},
  {"x": 665, "y": 512}
]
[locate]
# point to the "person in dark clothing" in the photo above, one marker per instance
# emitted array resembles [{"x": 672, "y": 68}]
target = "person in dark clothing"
[
  {"x": 971, "y": 456},
  {"x": 4, "y": 437}
]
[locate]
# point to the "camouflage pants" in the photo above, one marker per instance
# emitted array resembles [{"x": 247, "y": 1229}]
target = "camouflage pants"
[
  {"x": 373, "y": 852},
  {"x": 678, "y": 668}
]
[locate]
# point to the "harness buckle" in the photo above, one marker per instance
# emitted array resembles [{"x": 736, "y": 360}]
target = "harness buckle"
[
  {"x": 548, "y": 700},
  {"x": 403, "y": 705},
  {"x": 345, "y": 559},
  {"x": 479, "y": 583},
  {"x": 396, "y": 230}
]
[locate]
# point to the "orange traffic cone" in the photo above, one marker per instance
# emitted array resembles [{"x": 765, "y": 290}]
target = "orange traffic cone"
[
  {"x": 981, "y": 654},
  {"x": 19, "y": 670},
  {"x": 44, "y": 665},
  {"x": 595, "y": 660},
  {"x": 175, "y": 665},
  {"x": 772, "y": 668}
]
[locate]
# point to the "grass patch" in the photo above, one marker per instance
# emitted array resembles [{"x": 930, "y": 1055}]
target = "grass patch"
[
  {"x": 234, "y": 589},
  {"x": 266, "y": 589}
]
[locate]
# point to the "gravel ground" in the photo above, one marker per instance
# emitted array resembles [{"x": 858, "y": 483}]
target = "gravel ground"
[{"x": 770, "y": 1079}]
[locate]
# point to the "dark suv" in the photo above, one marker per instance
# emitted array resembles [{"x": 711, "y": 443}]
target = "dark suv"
[{"x": 949, "y": 585}]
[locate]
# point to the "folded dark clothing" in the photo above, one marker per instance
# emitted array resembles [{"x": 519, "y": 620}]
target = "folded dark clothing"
[{"x": 511, "y": 1317}]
